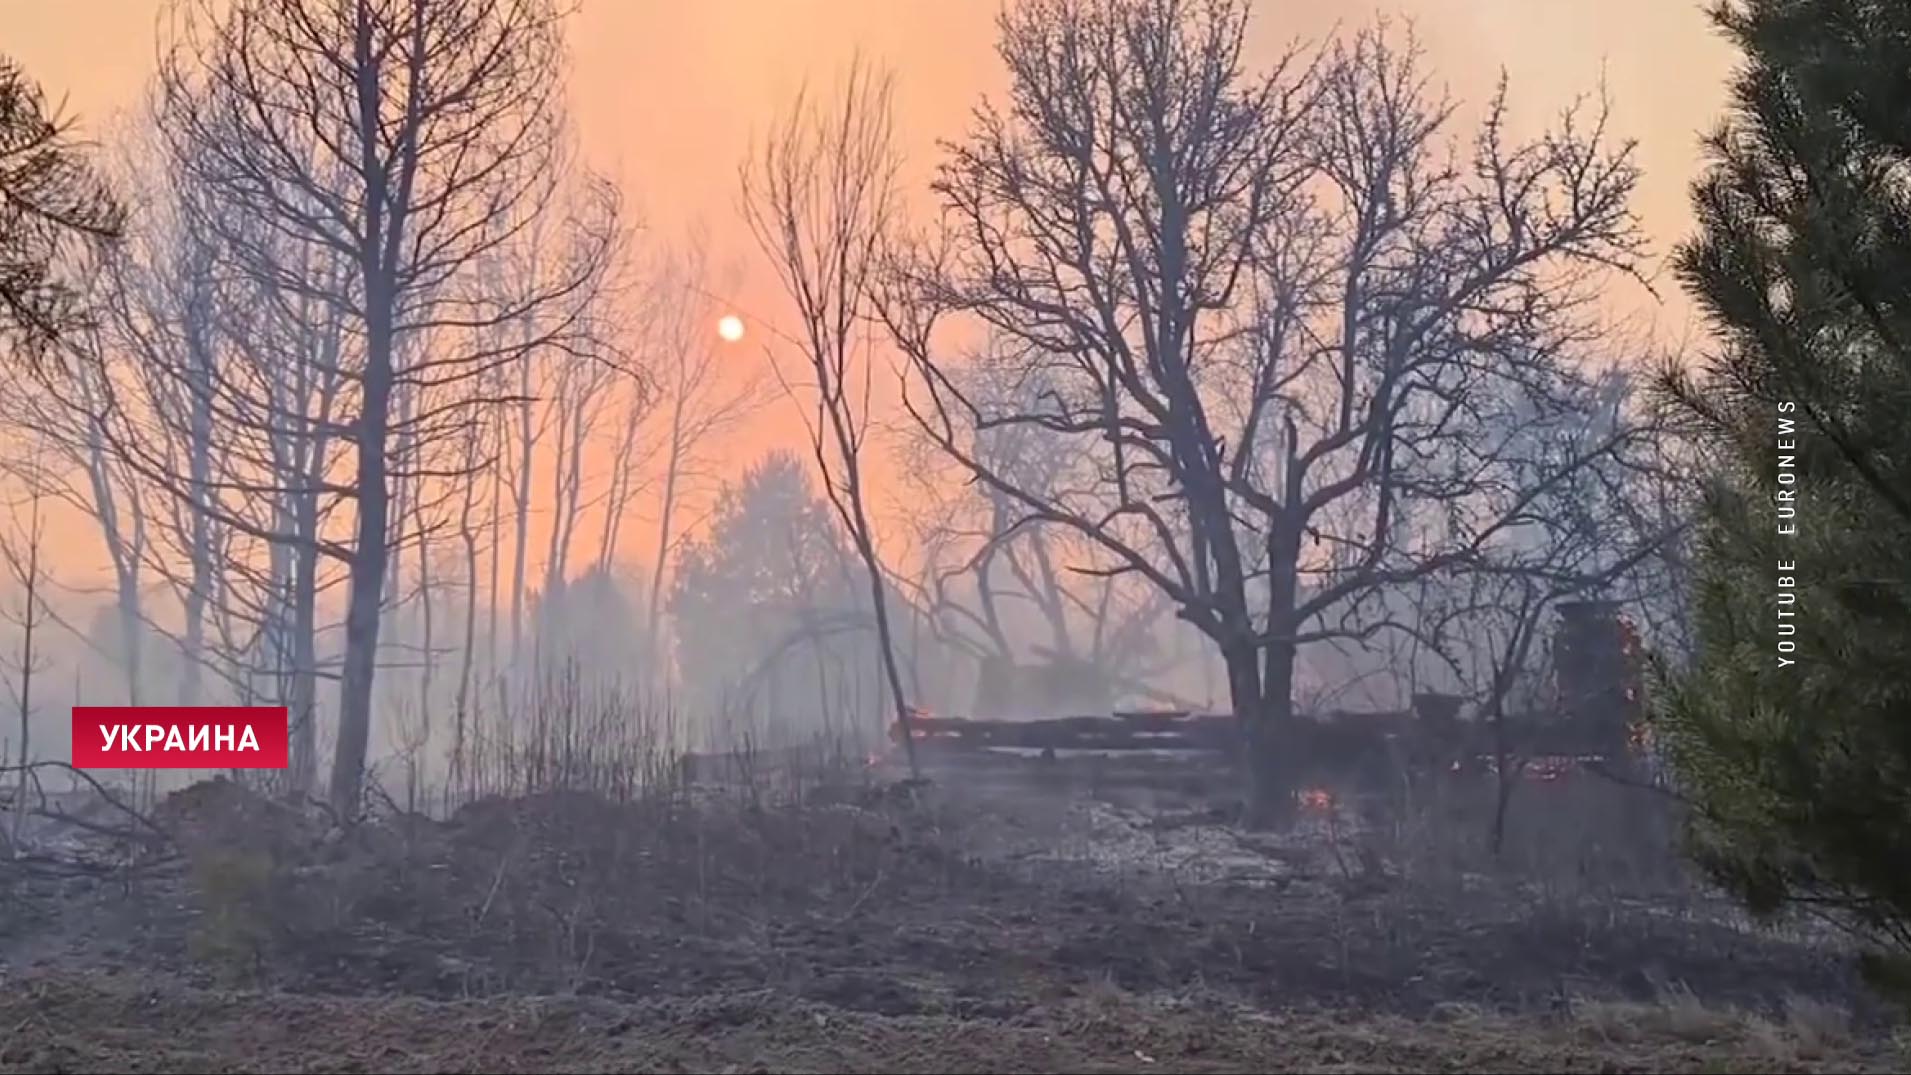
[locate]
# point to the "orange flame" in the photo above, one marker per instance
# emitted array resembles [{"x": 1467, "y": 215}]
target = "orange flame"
[{"x": 1317, "y": 799}]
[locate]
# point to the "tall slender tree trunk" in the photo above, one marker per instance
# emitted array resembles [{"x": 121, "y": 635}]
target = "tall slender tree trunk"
[
  {"x": 123, "y": 549},
  {"x": 130, "y": 633},
  {"x": 199, "y": 467},
  {"x": 427, "y": 657},
  {"x": 368, "y": 559},
  {"x": 29, "y": 623},
  {"x": 496, "y": 565},
  {"x": 461, "y": 705},
  {"x": 866, "y": 547},
  {"x": 660, "y": 657},
  {"x": 303, "y": 702},
  {"x": 563, "y": 492},
  {"x": 617, "y": 498},
  {"x": 522, "y": 498}
]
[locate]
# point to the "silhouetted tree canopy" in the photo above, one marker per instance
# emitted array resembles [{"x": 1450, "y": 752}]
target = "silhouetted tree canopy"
[{"x": 770, "y": 612}]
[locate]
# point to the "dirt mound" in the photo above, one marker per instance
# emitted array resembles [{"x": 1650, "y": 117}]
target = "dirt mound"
[{"x": 221, "y": 813}]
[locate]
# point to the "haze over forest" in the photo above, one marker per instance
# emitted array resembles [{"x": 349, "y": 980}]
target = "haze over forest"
[
  {"x": 1129, "y": 535},
  {"x": 664, "y": 104},
  {"x": 668, "y": 95}
]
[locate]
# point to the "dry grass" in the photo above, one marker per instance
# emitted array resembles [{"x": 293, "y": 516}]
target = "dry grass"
[{"x": 1810, "y": 1035}]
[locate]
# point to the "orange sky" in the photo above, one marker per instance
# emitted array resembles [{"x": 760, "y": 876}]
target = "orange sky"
[{"x": 669, "y": 93}]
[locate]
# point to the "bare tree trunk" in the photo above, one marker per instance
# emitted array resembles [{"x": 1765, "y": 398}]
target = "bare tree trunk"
[
  {"x": 21, "y": 551},
  {"x": 1505, "y": 778},
  {"x": 568, "y": 415},
  {"x": 469, "y": 538},
  {"x": 407, "y": 454},
  {"x": 497, "y": 550},
  {"x": 666, "y": 516},
  {"x": 126, "y": 576},
  {"x": 368, "y": 561},
  {"x": 131, "y": 634},
  {"x": 1248, "y": 699},
  {"x": 1272, "y": 786},
  {"x": 427, "y": 656},
  {"x": 303, "y": 703},
  {"x": 878, "y": 592},
  {"x": 30, "y": 618},
  {"x": 124, "y": 549},
  {"x": 200, "y": 474},
  {"x": 623, "y": 477},
  {"x": 521, "y": 500},
  {"x": 274, "y": 665},
  {"x": 819, "y": 200}
]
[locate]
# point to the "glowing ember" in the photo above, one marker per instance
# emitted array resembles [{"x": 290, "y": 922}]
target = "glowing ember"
[
  {"x": 1639, "y": 736},
  {"x": 1317, "y": 799}
]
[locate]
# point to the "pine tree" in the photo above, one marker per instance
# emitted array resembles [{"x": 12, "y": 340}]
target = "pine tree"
[
  {"x": 52, "y": 206},
  {"x": 1791, "y": 730}
]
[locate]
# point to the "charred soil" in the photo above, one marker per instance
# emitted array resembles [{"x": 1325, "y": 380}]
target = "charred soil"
[{"x": 911, "y": 928}]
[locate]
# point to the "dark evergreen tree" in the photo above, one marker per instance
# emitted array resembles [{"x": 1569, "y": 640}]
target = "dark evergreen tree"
[
  {"x": 51, "y": 204},
  {"x": 770, "y": 618},
  {"x": 1791, "y": 729}
]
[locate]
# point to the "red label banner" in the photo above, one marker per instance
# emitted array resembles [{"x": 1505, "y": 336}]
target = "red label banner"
[{"x": 180, "y": 737}]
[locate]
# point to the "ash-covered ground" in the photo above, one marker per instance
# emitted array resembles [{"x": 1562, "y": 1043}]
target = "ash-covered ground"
[{"x": 965, "y": 924}]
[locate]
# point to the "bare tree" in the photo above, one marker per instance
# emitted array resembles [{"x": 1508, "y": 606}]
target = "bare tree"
[
  {"x": 21, "y": 550},
  {"x": 1002, "y": 587},
  {"x": 696, "y": 404},
  {"x": 552, "y": 390},
  {"x": 208, "y": 397},
  {"x": 819, "y": 195},
  {"x": 1585, "y": 537},
  {"x": 409, "y": 140},
  {"x": 1269, "y": 305},
  {"x": 63, "y": 451},
  {"x": 162, "y": 316},
  {"x": 479, "y": 440},
  {"x": 581, "y": 398},
  {"x": 527, "y": 424}
]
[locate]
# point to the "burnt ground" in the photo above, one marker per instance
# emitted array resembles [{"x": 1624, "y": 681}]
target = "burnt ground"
[{"x": 952, "y": 927}]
